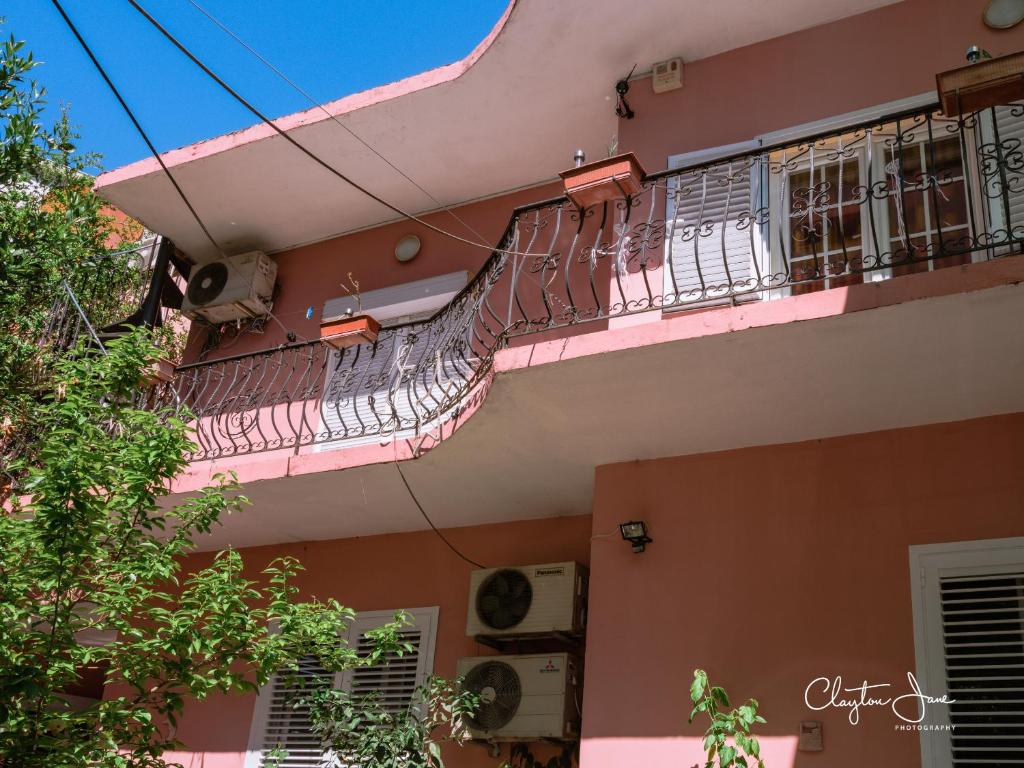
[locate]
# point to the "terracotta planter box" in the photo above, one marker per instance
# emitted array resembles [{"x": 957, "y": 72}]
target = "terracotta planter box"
[
  {"x": 349, "y": 331},
  {"x": 978, "y": 86},
  {"x": 608, "y": 179},
  {"x": 160, "y": 371}
]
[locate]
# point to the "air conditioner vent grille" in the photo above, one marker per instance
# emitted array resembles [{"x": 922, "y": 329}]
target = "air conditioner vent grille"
[
  {"x": 497, "y": 685},
  {"x": 207, "y": 284},
  {"x": 504, "y": 598}
]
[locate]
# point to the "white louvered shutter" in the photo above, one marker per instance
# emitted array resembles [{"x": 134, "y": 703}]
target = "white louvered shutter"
[
  {"x": 712, "y": 243},
  {"x": 365, "y": 390},
  {"x": 969, "y": 625},
  {"x": 285, "y": 726},
  {"x": 278, "y": 724},
  {"x": 1010, "y": 122},
  {"x": 983, "y": 634},
  {"x": 395, "y": 680}
]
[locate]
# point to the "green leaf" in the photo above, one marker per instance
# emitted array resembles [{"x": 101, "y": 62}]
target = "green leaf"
[{"x": 698, "y": 685}]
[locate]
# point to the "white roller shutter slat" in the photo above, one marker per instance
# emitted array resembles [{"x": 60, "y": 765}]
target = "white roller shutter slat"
[
  {"x": 395, "y": 680},
  {"x": 289, "y": 727},
  {"x": 983, "y": 639},
  {"x": 373, "y": 393},
  {"x": 1010, "y": 123},
  {"x": 711, "y": 249}
]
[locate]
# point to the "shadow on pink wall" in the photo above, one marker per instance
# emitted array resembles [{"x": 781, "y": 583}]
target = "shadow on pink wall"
[{"x": 771, "y": 567}]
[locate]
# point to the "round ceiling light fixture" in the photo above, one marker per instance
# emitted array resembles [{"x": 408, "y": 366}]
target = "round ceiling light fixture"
[
  {"x": 1003, "y": 14},
  {"x": 407, "y": 248}
]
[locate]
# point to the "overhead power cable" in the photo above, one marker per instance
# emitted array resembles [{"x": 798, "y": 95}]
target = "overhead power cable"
[
  {"x": 302, "y": 148},
  {"x": 331, "y": 116},
  {"x": 135, "y": 122},
  {"x": 430, "y": 522},
  {"x": 145, "y": 137}
]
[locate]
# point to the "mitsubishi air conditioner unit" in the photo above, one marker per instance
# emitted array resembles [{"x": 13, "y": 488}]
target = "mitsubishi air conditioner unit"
[
  {"x": 528, "y": 600},
  {"x": 523, "y": 697},
  {"x": 232, "y": 288}
]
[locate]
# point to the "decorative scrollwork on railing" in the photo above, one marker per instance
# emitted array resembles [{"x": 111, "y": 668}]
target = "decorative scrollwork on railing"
[{"x": 906, "y": 193}]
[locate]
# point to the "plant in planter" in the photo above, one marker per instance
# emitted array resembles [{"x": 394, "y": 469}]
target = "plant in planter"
[
  {"x": 351, "y": 328},
  {"x": 609, "y": 179},
  {"x": 522, "y": 757},
  {"x": 170, "y": 339},
  {"x": 727, "y": 741},
  {"x": 159, "y": 371}
]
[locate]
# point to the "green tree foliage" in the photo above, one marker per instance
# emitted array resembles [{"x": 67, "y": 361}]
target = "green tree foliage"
[
  {"x": 521, "y": 756},
  {"x": 728, "y": 740},
  {"x": 52, "y": 227},
  {"x": 363, "y": 731},
  {"x": 92, "y": 585},
  {"x": 91, "y": 580}
]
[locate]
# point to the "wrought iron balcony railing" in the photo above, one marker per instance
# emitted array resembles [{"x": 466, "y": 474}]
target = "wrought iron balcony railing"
[
  {"x": 111, "y": 294},
  {"x": 908, "y": 193}
]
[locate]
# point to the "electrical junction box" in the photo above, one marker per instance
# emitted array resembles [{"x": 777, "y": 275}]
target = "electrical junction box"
[
  {"x": 667, "y": 75},
  {"x": 811, "y": 738}
]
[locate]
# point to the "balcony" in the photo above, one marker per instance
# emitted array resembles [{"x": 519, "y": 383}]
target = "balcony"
[
  {"x": 910, "y": 193},
  {"x": 87, "y": 304}
]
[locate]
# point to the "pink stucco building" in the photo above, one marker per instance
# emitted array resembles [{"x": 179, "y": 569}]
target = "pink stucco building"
[{"x": 795, "y": 353}]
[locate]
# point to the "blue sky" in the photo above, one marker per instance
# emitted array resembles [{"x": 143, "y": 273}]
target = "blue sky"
[{"x": 331, "y": 48}]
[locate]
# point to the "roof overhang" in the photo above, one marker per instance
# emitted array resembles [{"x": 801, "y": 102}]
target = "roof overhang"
[{"x": 508, "y": 116}]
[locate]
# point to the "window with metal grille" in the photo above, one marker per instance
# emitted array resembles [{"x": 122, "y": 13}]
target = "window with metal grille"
[
  {"x": 969, "y": 627},
  {"x": 278, "y": 724},
  {"x": 891, "y": 200}
]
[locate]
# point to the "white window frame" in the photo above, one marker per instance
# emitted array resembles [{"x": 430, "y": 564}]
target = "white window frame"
[
  {"x": 846, "y": 119},
  {"x": 928, "y": 562},
  {"x": 774, "y": 256},
  {"x": 876, "y": 112},
  {"x": 838, "y": 123},
  {"x": 882, "y": 209},
  {"x": 423, "y": 618}
]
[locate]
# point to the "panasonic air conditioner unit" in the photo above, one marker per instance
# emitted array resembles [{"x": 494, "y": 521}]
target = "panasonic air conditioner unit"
[
  {"x": 523, "y": 697},
  {"x": 232, "y": 288},
  {"x": 528, "y": 600}
]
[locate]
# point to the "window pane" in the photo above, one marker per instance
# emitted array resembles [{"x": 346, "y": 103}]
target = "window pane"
[
  {"x": 931, "y": 202},
  {"x": 824, "y": 237}
]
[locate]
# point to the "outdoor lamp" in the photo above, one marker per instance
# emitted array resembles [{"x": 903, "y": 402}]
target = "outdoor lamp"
[{"x": 635, "y": 532}]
